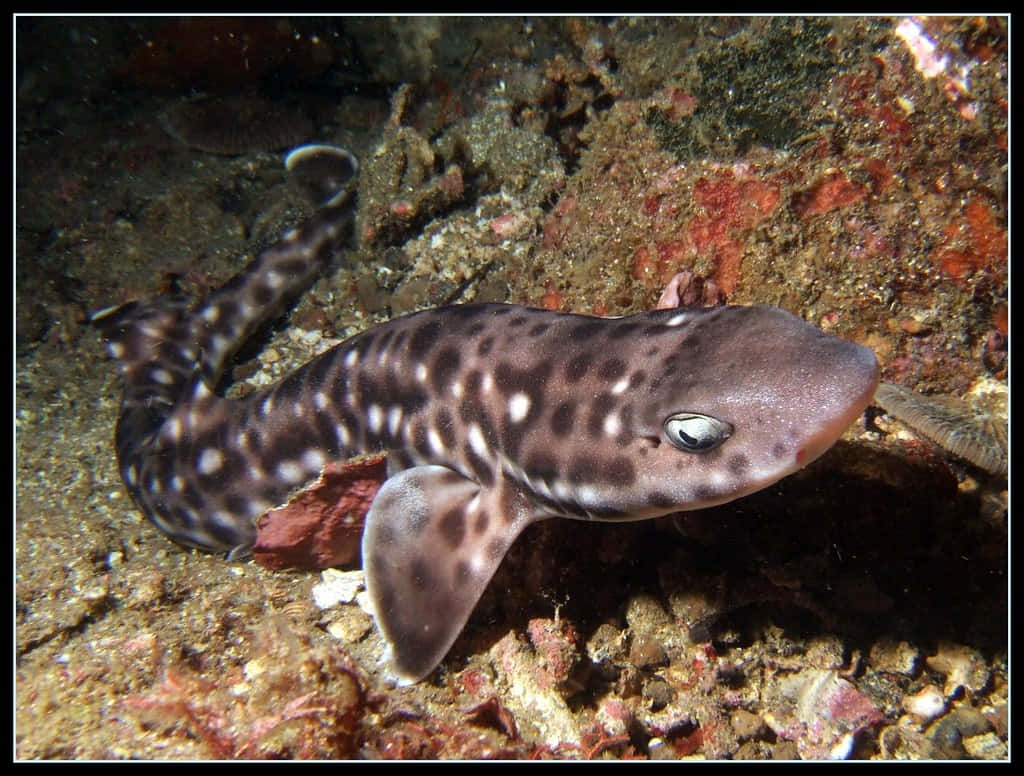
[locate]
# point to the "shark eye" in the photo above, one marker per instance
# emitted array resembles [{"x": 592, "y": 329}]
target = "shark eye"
[{"x": 693, "y": 433}]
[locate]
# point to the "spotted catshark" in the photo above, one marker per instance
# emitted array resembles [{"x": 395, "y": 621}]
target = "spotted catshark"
[{"x": 492, "y": 416}]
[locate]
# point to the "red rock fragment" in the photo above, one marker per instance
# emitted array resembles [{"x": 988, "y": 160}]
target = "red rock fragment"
[
  {"x": 676, "y": 103},
  {"x": 652, "y": 204},
  {"x": 882, "y": 177},
  {"x": 505, "y": 226},
  {"x": 553, "y": 299},
  {"x": 820, "y": 711},
  {"x": 727, "y": 270},
  {"x": 556, "y": 643},
  {"x": 740, "y": 203},
  {"x": 1001, "y": 318},
  {"x": 670, "y": 255},
  {"x": 894, "y": 123},
  {"x": 322, "y": 526},
  {"x": 644, "y": 266},
  {"x": 491, "y": 713},
  {"x": 956, "y": 264},
  {"x": 451, "y": 183},
  {"x": 989, "y": 239},
  {"x": 687, "y": 744},
  {"x": 559, "y": 222},
  {"x": 831, "y": 193},
  {"x": 401, "y": 208},
  {"x": 683, "y": 104},
  {"x": 474, "y": 683},
  {"x": 982, "y": 244},
  {"x": 732, "y": 208}
]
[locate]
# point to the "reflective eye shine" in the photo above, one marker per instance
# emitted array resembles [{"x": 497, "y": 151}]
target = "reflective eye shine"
[{"x": 695, "y": 433}]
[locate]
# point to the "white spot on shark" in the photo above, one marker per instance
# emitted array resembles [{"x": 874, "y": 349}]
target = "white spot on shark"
[
  {"x": 219, "y": 343},
  {"x": 588, "y": 496},
  {"x": 518, "y": 407},
  {"x": 163, "y": 377},
  {"x": 200, "y": 392},
  {"x": 210, "y": 460},
  {"x": 436, "y": 445},
  {"x": 344, "y": 437},
  {"x": 313, "y": 460},
  {"x": 394, "y": 419},
  {"x": 476, "y": 563},
  {"x": 477, "y": 441},
  {"x": 612, "y": 424},
  {"x": 222, "y": 518},
  {"x": 375, "y": 418},
  {"x": 291, "y": 472},
  {"x": 173, "y": 429}
]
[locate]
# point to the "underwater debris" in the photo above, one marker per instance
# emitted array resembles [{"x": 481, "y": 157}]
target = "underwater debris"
[
  {"x": 237, "y": 124},
  {"x": 321, "y": 525},
  {"x": 950, "y": 423},
  {"x": 323, "y": 170},
  {"x": 820, "y": 711},
  {"x": 926, "y": 704}
]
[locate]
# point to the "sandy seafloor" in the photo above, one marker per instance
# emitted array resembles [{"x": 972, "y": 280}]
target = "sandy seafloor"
[{"x": 839, "y": 168}]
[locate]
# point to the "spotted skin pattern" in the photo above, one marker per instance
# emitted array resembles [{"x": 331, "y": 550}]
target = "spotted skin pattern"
[{"x": 493, "y": 416}]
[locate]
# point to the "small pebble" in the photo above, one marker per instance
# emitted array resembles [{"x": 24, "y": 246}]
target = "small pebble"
[
  {"x": 913, "y": 326},
  {"x": 614, "y": 716},
  {"x": 337, "y": 587},
  {"x": 927, "y": 704},
  {"x": 643, "y": 613},
  {"x": 647, "y": 652},
  {"x": 747, "y": 725},
  {"x": 657, "y": 749},
  {"x": 350, "y": 626},
  {"x": 987, "y": 746},
  {"x": 658, "y": 694},
  {"x": 963, "y": 667},
  {"x": 947, "y": 733},
  {"x": 606, "y": 644},
  {"x": 895, "y": 657}
]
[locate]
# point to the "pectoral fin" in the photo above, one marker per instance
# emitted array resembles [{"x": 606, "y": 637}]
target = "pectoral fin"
[{"x": 432, "y": 542}]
